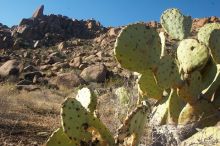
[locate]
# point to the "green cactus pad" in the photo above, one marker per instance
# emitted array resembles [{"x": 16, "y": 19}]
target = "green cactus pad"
[
  {"x": 167, "y": 74},
  {"x": 87, "y": 98},
  {"x": 207, "y": 136},
  {"x": 208, "y": 92},
  {"x": 77, "y": 122},
  {"x": 59, "y": 138},
  {"x": 192, "y": 55},
  {"x": 192, "y": 88},
  {"x": 205, "y": 32},
  {"x": 123, "y": 95},
  {"x": 176, "y": 24},
  {"x": 138, "y": 48},
  {"x": 208, "y": 73},
  {"x": 214, "y": 45},
  {"x": 133, "y": 125},
  {"x": 175, "y": 106},
  {"x": 148, "y": 86},
  {"x": 201, "y": 114}
]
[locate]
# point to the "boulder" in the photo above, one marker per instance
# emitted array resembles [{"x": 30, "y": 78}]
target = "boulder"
[
  {"x": 67, "y": 80},
  {"x": 94, "y": 73},
  {"x": 76, "y": 62},
  {"x": 39, "y": 12},
  {"x": 11, "y": 67}
]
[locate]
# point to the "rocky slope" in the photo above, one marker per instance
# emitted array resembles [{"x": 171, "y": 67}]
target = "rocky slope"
[{"x": 57, "y": 53}]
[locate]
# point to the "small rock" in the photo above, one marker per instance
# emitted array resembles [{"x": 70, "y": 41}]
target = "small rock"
[
  {"x": 76, "y": 62},
  {"x": 24, "y": 82},
  {"x": 27, "y": 87}
]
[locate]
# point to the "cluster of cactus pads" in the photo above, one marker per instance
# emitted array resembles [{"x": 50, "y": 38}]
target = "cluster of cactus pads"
[
  {"x": 81, "y": 127},
  {"x": 186, "y": 85}
]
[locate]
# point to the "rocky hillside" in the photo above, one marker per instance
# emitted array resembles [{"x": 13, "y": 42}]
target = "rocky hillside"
[{"x": 57, "y": 53}]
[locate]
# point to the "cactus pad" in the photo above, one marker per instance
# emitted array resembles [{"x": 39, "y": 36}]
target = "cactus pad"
[
  {"x": 192, "y": 55},
  {"x": 201, "y": 114},
  {"x": 77, "y": 123},
  {"x": 167, "y": 74},
  {"x": 192, "y": 88},
  {"x": 138, "y": 48},
  {"x": 133, "y": 125},
  {"x": 175, "y": 106},
  {"x": 214, "y": 45},
  {"x": 205, "y": 32},
  {"x": 176, "y": 24},
  {"x": 87, "y": 98},
  {"x": 208, "y": 92},
  {"x": 148, "y": 86},
  {"x": 59, "y": 138},
  {"x": 123, "y": 95}
]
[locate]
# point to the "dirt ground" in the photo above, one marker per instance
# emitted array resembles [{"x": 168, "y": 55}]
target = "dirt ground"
[{"x": 28, "y": 118}]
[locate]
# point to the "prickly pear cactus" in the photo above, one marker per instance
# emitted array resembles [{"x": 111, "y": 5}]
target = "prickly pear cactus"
[
  {"x": 148, "y": 86},
  {"x": 59, "y": 138},
  {"x": 138, "y": 48},
  {"x": 185, "y": 85},
  {"x": 214, "y": 45},
  {"x": 176, "y": 24},
  {"x": 123, "y": 95},
  {"x": 78, "y": 124},
  {"x": 192, "y": 88},
  {"x": 87, "y": 98},
  {"x": 205, "y": 32},
  {"x": 208, "y": 92},
  {"x": 201, "y": 114},
  {"x": 175, "y": 106},
  {"x": 133, "y": 127},
  {"x": 167, "y": 74},
  {"x": 192, "y": 55}
]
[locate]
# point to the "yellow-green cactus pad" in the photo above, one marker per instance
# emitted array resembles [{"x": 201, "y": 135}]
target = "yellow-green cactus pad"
[
  {"x": 205, "y": 32},
  {"x": 59, "y": 138},
  {"x": 148, "y": 86},
  {"x": 209, "y": 91},
  {"x": 207, "y": 136},
  {"x": 214, "y": 45},
  {"x": 208, "y": 73},
  {"x": 192, "y": 88},
  {"x": 201, "y": 114},
  {"x": 176, "y": 24},
  {"x": 133, "y": 125},
  {"x": 167, "y": 74},
  {"x": 138, "y": 48},
  {"x": 175, "y": 106},
  {"x": 87, "y": 98},
  {"x": 192, "y": 55},
  {"x": 77, "y": 123}
]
